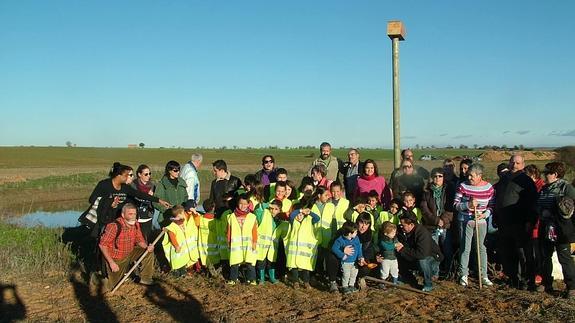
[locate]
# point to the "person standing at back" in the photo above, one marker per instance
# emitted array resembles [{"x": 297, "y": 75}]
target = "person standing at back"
[
  {"x": 267, "y": 174},
  {"x": 407, "y": 155},
  {"x": 189, "y": 173},
  {"x": 224, "y": 183},
  {"x": 351, "y": 171},
  {"x": 331, "y": 163}
]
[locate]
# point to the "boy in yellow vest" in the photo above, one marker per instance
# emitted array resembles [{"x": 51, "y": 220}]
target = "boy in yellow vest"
[
  {"x": 341, "y": 204},
  {"x": 242, "y": 236},
  {"x": 266, "y": 225},
  {"x": 409, "y": 205},
  {"x": 180, "y": 244},
  {"x": 208, "y": 240},
  {"x": 325, "y": 210}
]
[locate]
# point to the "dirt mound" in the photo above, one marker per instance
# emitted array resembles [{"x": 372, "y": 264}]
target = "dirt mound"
[{"x": 494, "y": 155}]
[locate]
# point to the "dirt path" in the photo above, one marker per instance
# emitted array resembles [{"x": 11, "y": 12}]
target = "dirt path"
[{"x": 202, "y": 299}]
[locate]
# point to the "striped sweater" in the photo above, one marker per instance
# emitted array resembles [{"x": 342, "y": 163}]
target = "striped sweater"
[{"x": 483, "y": 193}]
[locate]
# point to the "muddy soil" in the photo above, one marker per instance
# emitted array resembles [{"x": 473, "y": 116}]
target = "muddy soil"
[{"x": 200, "y": 299}]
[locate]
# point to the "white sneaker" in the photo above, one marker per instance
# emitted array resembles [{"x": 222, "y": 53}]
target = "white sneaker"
[
  {"x": 463, "y": 281},
  {"x": 486, "y": 281}
]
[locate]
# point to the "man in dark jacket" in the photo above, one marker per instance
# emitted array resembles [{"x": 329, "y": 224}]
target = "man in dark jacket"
[
  {"x": 416, "y": 250},
  {"x": 351, "y": 170},
  {"x": 515, "y": 211},
  {"x": 224, "y": 184}
]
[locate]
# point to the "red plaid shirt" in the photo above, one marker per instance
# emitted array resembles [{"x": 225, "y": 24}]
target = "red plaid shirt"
[{"x": 130, "y": 236}]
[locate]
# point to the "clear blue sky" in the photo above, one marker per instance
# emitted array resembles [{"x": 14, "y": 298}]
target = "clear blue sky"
[{"x": 258, "y": 73}]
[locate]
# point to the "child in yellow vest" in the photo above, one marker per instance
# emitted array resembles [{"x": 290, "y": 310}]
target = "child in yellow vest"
[
  {"x": 266, "y": 226},
  {"x": 393, "y": 215},
  {"x": 341, "y": 204},
  {"x": 281, "y": 195},
  {"x": 325, "y": 209},
  {"x": 409, "y": 205},
  {"x": 208, "y": 240},
  {"x": 242, "y": 236},
  {"x": 180, "y": 244}
]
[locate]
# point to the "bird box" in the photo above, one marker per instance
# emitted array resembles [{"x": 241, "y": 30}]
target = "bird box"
[{"x": 396, "y": 29}]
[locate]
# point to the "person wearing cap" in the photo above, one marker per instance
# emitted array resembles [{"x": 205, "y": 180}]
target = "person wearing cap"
[
  {"x": 516, "y": 197},
  {"x": 180, "y": 244},
  {"x": 437, "y": 213},
  {"x": 556, "y": 229}
]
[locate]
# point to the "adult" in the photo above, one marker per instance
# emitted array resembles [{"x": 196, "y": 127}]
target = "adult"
[
  {"x": 121, "y": 244},
  {"x": 109, "y": 196},
  {"x": 409, "y": 180},
  {"x": 173, "y": 189},
  {"x": 533, "y": 243},
  {"x": 416, "y": 250},
  {"x": 474, "y": 201},
  {"x": 189, "y": 173},
  {"x": 365, "y": 234},
  {"x": 463, "y": 168},
  {"x": 556, "y": 229},
  {"x": 267, "y": 174},
  {"x": 407, "y": 154},
  {"x": 437, "y": 213},
  {"x": 144, "y": 184},
  {"x": 516, "y": 198},
  {"x": 331, "y": 163},
  {"x": 370, "y": 180},
  {"x": 449, "y": 175},
  {"x": 350, "y": 171},
  {"x": 223, "y": 185}
]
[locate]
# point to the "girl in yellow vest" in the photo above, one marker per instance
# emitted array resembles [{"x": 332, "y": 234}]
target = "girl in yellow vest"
[
  {"x": 267, "y": 223},
  {"x": 242, "y": 236},
  {"x": 325, "y": 209},
  {"x": 280, "y": 194},
  {"x": 208, "y": 240},
  {"x": 409, "y": 205},
  {"x": 341, "y": 204},
  {"x": 222, "y": 234},
  {"x": 392, "y": 215},
  {"x": 180, "y": 244},
  {"x": 301, "y": 243},
  {"x": 359, "y": 207}
]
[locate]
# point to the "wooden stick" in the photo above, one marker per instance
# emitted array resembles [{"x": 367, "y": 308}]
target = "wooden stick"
[
  {"x": 477, "y": 243},
  {"x": 137, "y": 262},
  {"x": 411, "y": 289}
]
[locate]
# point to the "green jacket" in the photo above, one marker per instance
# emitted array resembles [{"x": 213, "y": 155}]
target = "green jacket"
[{"x": 173, "y": 195}]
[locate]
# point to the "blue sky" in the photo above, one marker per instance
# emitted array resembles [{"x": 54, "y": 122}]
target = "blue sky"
[{"x": 258, "y": 73}]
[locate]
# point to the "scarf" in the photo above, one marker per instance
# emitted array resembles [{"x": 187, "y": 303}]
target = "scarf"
[
  {"x": 437, "y": 197},
  {"x": 365, "y": 237},
  {"x": 241, "y": 213},
  {"x": 144, "y": 187},
  {"x": 369, "y": 178}
]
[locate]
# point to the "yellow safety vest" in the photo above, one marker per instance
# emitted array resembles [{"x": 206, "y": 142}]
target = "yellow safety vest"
[
  {"x": 279, "y": 235},
  {"x": 187, "y": 238},
  {"x": 265, "y": 232},
  {"x": 355, "y": 214},
  {"x": 208, "y": 242},
  {"x": 286, "y": 205},
  {"x": 241, "y": 250},
  {"x": 301, "y": 245},
  {"x": 324, "y": 225},
  {"x": 222, "y": 235},
  {"x": 340, "y": 208}
]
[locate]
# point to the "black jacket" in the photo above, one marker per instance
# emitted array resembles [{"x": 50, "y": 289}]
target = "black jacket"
[
  {"x": 418, "y": 245},
  {"x": 350, "y": 183},
  {"x": 516, "y": 200},
  {"x": 219, "y": 188}
]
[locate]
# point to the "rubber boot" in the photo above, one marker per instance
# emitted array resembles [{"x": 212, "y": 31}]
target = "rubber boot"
[
  {"x": 272, "y": 274},
  {"x": 262, "y": 275}
]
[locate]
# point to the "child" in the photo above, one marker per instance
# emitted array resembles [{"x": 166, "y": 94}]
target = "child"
[
  {"x": 395, "y": 209},
  {"x": 373, "y": 205},
  {"x": 409, "y": 205},
  {"x": 270, "y": 189},
  {"x": 208, "y": 240},
  {"x": 359, "y": 207},
  {"x": 266, "y": 226},
  {"x": 348, "y": 259},
  {"x": 181, "y": 241},
  {"x": 325, "y": 209},
  {"x": 281, "y": 195},
  {"x": 341, "y": 204},
  {"x": 388, "y": 260},
  {"x": 301, "y": 243},
  {"x": 242, "y": 237}
]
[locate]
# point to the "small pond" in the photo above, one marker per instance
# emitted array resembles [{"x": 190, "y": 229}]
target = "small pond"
[{"x": 68, "y": 218}]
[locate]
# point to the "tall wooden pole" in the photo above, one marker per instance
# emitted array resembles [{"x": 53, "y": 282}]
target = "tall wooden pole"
[{"x": 396, "y": 31}]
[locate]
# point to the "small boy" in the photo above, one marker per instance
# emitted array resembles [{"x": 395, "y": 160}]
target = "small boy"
[
  {"x": 242, "y": 238},
  {"x": 181, "y": 242},
  {"x": 208, "y": 239},
  {"x": 341, "y": 204},
  {"x": 373, "y": 205},
  {"x": 388, "y": 260},
  {"x": 348, "y": 259},
  {"x": 266, "y": 226},
  {"x": 409, "y": 205}
]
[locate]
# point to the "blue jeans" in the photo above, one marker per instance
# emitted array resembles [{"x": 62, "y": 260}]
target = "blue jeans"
[
  {"x": 424, "y": 265},
  {"x": 443, "y": 239},
  {"x": 467, "y": 233},
  {"x": 427, "y": 266}
]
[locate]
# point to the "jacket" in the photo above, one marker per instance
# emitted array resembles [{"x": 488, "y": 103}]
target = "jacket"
[
  {"x": 175, "y": 195},
  {"x": 350, "y": 177},
  {"x": 331, "y": 165},
  {"x": 418, "y": 245},
  {"x": 190, "y": 175},
  {"x": 342, "y": 242},
  {"x": 430, "y": 218},
  {"x": 516, "y": 200},
  {"x": 221, "y": 187}
]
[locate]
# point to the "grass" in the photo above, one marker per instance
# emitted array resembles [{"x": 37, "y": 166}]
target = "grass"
[
  {"x": 53, "y": 182},
  {"x": 35, "y": 250}
]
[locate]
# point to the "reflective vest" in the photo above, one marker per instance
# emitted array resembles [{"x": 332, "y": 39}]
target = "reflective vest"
[
  {"x": 241, "y": 250},
  {"x": 324, "y": 225},
  {"x": 301, "y": 245},
  {"x": 265, "y": 232},
  {"x": 208, "y": 241},
  {"x": 187, "y": 238},
  {"x": 355, "y": 214},
  {"x": 286, "y": 205},
  {"x": 385, "y": 216},
  {"x": 279, "y": 236},
  {"x": 340, "y": 208},
  {"x": 222, "y": 235}
]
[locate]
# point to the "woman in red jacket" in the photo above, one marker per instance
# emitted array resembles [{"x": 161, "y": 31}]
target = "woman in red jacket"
[{"x": 370, "y": 180}]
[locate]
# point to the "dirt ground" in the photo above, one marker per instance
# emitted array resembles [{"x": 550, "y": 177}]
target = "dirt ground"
[{"x": 200, "y": 299}]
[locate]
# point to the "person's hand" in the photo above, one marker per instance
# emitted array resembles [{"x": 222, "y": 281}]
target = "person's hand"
[
  {"x": 305, "y": 211},
  {"x": 398, "y": 246},
  {"x": 254, "y": 246},
  {"x": 150, "y": 248},
  {"x": 348, "y": 250},
  {"x": 572, "y": 247},
  {"x": 480, "y": 216},
  {"x": 472, "y": 204},
  {"x": 178, "y": 249},
  {"x": 116, "y": 202},
  {"x": 362, "y": 262},
  {"x": 165, "y": 204},
  {"x": 440, "y": 224},
  {"x": 114, "y": 266},
  {"x": 379, "y": 258}
]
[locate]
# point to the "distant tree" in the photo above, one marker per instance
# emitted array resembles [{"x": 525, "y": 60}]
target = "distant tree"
[
  {"x": 142, "y": 145},
  {"x": 475, "y": 146},
  {"x": 432, "y": 146},
  {"x": 416, "y": 146},
  {"x": 462, "y": 146},
  {"x": 449, "y": 147},
  {"x": 69, "y": 144},
  {"x": 521, "y": 147},
  {"x": 504, "y": 147},
  {"x": 235, "y": 147}
]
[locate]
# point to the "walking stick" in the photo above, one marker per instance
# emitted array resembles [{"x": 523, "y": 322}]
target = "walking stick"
[
  {"x": 137, "y": 262},
  {"x": 477, "y": 243}
]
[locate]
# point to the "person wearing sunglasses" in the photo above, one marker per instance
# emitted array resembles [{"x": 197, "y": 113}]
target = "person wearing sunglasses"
[
  {"x": 409, "y": 180},
  {"x": 407, "y": 155},
  {"x": 171, "y": 188},
  {"x": 143, "y": 183},
  {"x": 437, "y": 213},
  {"x": 268, "y": 173}
]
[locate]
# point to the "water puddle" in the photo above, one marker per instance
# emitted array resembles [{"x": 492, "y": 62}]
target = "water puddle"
[{"x": 58, "y": 219}]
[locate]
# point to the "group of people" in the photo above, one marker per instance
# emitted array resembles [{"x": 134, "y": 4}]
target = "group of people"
[{"x": 341, "y": 223}]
